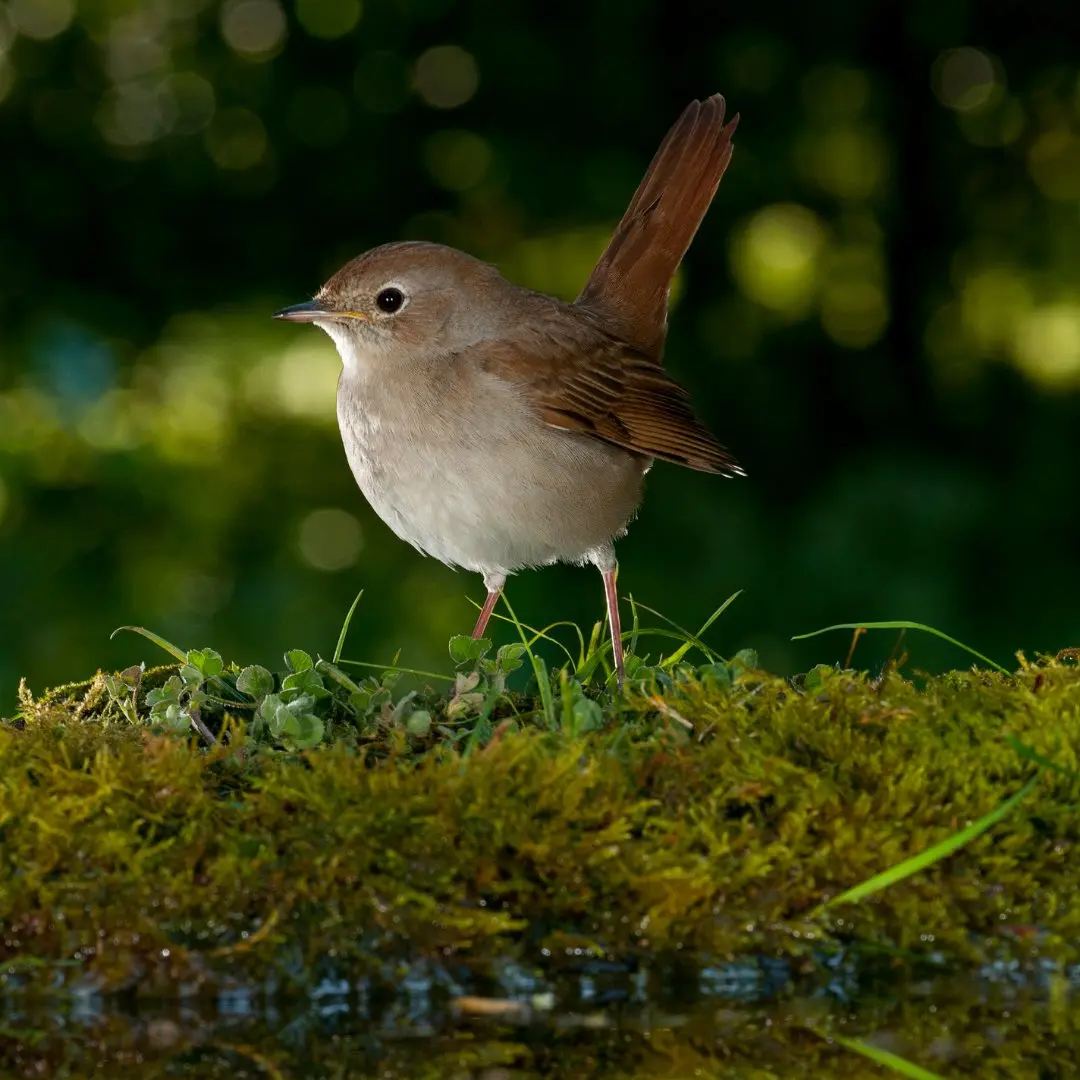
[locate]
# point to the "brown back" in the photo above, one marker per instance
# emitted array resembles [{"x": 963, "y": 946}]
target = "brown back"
[{"x": 631, "y": 281}]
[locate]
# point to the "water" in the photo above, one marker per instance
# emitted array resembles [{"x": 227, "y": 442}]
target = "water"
[{"x": 752, "y": 1021}]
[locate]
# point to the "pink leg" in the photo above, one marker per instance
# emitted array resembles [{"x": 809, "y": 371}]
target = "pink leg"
[
  {"x": 485, "y": 612},
  {"x": 494, "y": 584},
  {"x": 615, "y": 623}
]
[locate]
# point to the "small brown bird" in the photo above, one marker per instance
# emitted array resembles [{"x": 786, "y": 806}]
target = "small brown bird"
[{"x": 497, "y": 428}]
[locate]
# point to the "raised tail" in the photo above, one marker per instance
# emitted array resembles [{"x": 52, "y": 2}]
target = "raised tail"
[{"x": 632, "y": 278}]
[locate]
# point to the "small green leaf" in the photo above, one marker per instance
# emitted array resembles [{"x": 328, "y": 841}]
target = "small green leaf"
[
  {"x": 272, "y": 710},
  {"x": 588, "y": 715},
  {"x": 308, "y": 682},
  {"x": 255, "y": 681},
  {"x": 297, "y": 660},
  {"x": 815, "y": 678},
  {"x": 302, "y": 703},
  {"x": 464, "y": 649},
  {"x": 510, "y": 657},
  {"x": 163, "y": 695},
  {"x": 190, "y": 675},
  {"x": 715, "y": 676},
  {"x": 744, "y": 660},
  {"x": 306, "y": 731},
  {"x": 176, "y": 718},
  {"x": 207, "y": 661}
]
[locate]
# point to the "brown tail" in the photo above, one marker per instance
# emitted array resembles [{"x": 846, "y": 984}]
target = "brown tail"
[{"x": 632, "y": 278}]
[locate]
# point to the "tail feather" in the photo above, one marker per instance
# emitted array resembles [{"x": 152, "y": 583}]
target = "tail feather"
[{"x": 631, "y": 281}]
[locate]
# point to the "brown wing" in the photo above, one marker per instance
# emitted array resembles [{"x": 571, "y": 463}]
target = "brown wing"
[
  {"x": 630, "y": 282},
  {"x": 583, "y": 381}
]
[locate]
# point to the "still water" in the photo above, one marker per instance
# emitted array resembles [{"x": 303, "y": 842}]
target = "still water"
[{"x": 752, "y": 1021}]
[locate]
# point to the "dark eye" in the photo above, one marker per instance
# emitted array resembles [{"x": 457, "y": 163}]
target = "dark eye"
[{"x": 390, "y": 300}]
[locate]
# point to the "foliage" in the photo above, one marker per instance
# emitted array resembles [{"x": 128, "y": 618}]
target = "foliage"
[{"x": 713, "y": 810}]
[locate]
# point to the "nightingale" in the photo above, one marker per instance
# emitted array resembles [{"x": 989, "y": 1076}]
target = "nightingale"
[{"x": 496, "y": 428}]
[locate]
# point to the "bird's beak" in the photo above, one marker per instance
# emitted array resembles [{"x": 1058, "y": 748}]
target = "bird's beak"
[{"x": 306, "y": 312}]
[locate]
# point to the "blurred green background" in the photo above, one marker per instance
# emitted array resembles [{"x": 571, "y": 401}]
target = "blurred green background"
[{"x": 880, "y": 316}]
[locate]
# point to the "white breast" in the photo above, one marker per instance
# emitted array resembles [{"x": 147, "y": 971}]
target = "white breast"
[{"x": 460, "y": 467}]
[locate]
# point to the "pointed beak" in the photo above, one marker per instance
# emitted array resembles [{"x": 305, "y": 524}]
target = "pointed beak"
[{"x": 306, "y": 312}]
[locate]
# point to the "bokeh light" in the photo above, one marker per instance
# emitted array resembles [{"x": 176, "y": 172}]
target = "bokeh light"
[
  {"x": 457, "y": 160},
  {"x": 967, "y": 78},
  {"x": 7, "y": 37},
  {"x": 848, "y": 162},
  {"x": 775, "y": 257},
  {"x": 193, "y": 99},
  {"x": 854, "y": 308},
  {"x": 328, "y": 18},
  {"x": 236, "y": 139},
  {"x": 1054, "y": 161},
  {"x": 254, "y": 28},
  {"x": 330, "y": 539},
  {"x": 135, "y": 113},
  {"x": 1048, "y": 344},
  {"x": 41, "y": 19},
  {"x": 446, "y": 76},
  {"x": 300, "y": 380},
  {"x": 994, "y": 300}
]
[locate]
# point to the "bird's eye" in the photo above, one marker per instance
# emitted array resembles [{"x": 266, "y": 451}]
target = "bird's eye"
[{"x": 390, "y": 300}]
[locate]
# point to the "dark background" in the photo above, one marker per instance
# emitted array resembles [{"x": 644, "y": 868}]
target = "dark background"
[{"x": 880, "y": 316}]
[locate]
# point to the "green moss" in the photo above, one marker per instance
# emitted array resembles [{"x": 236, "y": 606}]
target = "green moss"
[{"x": 704, "y": 819}]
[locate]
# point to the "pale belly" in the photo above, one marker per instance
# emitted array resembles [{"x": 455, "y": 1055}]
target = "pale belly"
[{"x": 489, "y": 495}]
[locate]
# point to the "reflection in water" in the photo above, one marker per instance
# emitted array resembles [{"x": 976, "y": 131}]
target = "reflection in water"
[{"x": 750, "y": 1022}]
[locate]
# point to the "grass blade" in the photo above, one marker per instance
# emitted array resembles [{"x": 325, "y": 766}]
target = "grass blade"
[
  {"x": 684, "y": 635},
  {"x": 931, "y": 855},
  {"x": 884, "y": 1057},
  {"x": 157, "y": 639},
  {"x": 399, "y": 670},
  {"x": 545, "y": 634},
  {"x": 543, "y": 682},
  {"x": 345, "y": 628},
  {"x": 1033, "y": 755},
  {"x": 679, "y": 653},
  {"x": 903, "y": 624}
]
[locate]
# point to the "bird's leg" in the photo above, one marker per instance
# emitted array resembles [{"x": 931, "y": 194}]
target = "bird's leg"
[
  {"x": 494, "y": 584},
  {"x": 612, "y": 598}
]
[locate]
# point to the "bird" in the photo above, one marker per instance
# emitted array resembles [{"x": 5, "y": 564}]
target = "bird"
[{"x": 497, "y": 428}]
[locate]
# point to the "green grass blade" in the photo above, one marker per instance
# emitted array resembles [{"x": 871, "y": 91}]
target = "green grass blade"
[
  {"x": 159, "y": 641},
  {"x": 543, "y": 682},
  {"x": 688, "y": 645},
  {"x": 931, "y": 855},
  {"x": 1033, "y": 755},
  {"x": 884, "y": 1057},
  {"x": 903, "y": 624},
  {"x": 684, "y": 635},
  {"x": 345, "y": 628},
  {"x": 545, "y": 633},
  {"x": 399, "y": 670}
]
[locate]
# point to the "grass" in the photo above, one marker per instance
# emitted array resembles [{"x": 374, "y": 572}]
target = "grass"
[{"x": 212, "y": 821}]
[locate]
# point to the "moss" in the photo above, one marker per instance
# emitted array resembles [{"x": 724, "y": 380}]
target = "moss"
[{"x": 703, "y": 820}]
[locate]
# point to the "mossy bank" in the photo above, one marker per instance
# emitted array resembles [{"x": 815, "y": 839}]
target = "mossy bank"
[{"x": 710, "y": 815}]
